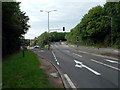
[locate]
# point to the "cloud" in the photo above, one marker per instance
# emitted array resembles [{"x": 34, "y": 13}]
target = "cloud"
[{"x": 68, "y": 14}]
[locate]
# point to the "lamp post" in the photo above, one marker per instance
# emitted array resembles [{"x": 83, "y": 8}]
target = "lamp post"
[
  {"x": 111, "y": 30},
  {"x": 48, "y": 26}
]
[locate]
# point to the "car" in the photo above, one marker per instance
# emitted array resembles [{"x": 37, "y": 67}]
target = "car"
[{"x": 36, "y": 46}]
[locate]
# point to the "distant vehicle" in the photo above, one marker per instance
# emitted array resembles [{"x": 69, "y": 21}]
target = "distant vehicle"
[{"x": 36, "y": 46}]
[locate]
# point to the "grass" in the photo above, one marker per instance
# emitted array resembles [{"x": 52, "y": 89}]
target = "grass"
[{"x": 19, "y": 72}]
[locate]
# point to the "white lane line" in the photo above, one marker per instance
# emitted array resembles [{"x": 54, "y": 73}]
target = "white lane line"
[
  {"x": 80, "y": 65},
  {"x": 55, "y": 58},
  {"x": 105, "y": 64},
  {"x": 69, "y": 81},
  {"x": 116, "y": 51},
  {"x": 58, "y": 63},
  {"x": 56, "y": 46},
  {"x": 111, "y": 61},
  {"x": 67, "y": 51},
  {"x": 41, "y": 51},
  {"x": 97, "y": 55},
  {"x": 77, "y": 54}
]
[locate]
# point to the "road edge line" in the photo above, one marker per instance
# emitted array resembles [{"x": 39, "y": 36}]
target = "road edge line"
[
  {"x": 70, "y": 82},
  {"x": 61, "y": 75}
]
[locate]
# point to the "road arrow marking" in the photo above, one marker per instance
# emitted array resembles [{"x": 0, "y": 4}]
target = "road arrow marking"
[
  {"x": 80, "y": 65},
  {"x": 105, "y": 64},
  {"x": 77, "y": 54}
]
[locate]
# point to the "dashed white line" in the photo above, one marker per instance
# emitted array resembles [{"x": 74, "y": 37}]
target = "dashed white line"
[
  {"x": 69, "y": 81},
  {"x": 58, "y": 63},
  {"x": 55, "y": 58},
  {"x": 105, "y": 64},
  {"x": 41, "y": 51},
  {"x": 56, "y": 46},
  {"x": 77, "y": 54},
  {"x": 97, "y": 55},
  {"x": 116, "y": 51},
  {"x": 111, "y": 61},
  {"x": 67, "y": 51}
]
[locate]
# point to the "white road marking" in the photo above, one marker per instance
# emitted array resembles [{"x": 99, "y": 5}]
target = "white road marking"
[
  {"x": 55, "y": 58},
  {"x": 35, "y": 51},
  {"x": 56, "y": 46},
  {"x": 69, "y": 81},
  {"x": 41, "y": 51},
  {"x": 116, "y": 51},
  {"x": 97, "y": 55},
  {"x": 58, "y": 63},
  {"x": 82, "y": 65},
  {"x": 67, "y": 51},
  {"x": 77, "y": 54},
  {"x": 111, "y": 61},
  {"x": 105, "y": 64}
]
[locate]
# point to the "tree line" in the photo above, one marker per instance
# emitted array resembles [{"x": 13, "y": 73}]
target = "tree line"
[
  {"x": 54, "y": 37},
  {"x": 99, "y": 27},
  {"x": 14, "y": 26}
]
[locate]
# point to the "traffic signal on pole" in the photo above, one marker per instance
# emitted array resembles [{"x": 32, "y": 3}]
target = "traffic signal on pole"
[
  {"x": 77, "y": 38},
  {"x": 63, "y": 28}
]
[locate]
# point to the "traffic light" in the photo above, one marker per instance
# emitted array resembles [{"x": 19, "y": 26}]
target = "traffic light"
[
  {"x": 77, "y": 38},
  {"x": 63, "y": 28}
]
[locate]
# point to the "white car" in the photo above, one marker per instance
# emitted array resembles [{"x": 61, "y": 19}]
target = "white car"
[{"x": 36, "y": 46}]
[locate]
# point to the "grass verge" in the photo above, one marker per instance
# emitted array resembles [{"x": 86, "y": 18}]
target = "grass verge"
[{"x": 19, "y": 72}]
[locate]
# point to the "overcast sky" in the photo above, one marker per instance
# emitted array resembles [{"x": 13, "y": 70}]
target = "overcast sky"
[{"x": 68, "y": 14}]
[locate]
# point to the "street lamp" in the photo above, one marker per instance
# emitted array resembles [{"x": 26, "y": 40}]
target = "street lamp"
[
  {"x": 111, "y": 29},
  {"x": 48, "y": 25}
]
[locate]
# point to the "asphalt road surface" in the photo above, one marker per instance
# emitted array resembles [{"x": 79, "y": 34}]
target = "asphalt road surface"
[{"x": 83, "y": 70}]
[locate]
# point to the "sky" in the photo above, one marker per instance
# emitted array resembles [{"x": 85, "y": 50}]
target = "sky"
[{"x": 69, "y": 13}]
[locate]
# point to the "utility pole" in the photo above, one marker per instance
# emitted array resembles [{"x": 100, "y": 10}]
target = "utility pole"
[
  {"x": 48, "y": 26},
  {"x": 48, "y": 33}
]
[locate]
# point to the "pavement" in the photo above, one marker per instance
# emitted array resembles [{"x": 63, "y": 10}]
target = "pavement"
[
  {"x": 94, "y": 49},
  {"x": 83, "y": 70}
]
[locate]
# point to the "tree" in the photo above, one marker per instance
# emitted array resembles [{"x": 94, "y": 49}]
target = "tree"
[
  {"x": 95, "y": 26},
  {"x": 14, "y": 25},
  {"x": 54, "y": 36}
]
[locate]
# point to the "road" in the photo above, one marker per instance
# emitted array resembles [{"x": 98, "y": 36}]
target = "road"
[{"x": 83, "y": 70}]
